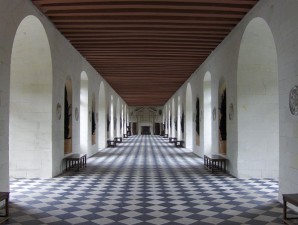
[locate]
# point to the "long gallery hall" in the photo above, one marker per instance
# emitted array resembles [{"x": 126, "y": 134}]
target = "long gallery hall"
[
  {"x": 145, "y": 180},
  {"x": 138, "y": 112}
]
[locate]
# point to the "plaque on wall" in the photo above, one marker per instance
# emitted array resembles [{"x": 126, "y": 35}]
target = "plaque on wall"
[
  {"x": 231, "y": 111},
  {"x": 76, "y": 113},
  {"x": 58, "y": 111},
  {"x": 201, "y": 115},
  {"x": 293, "y": 100},
  {"x": 214, "y": 113}
]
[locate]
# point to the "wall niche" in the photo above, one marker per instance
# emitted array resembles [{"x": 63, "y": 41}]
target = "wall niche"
[{"x": 68, "y": 117}]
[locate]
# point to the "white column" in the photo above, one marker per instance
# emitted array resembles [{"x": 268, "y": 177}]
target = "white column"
[
  {"x": 173, "y": 123},
  {"x": 169, "y": 124},
  {"x": 124, "y": 121},
  {"x": 112, "y": 119},
  {"x": 118, "y": 119},
  {"x": 179, "y": 121}
]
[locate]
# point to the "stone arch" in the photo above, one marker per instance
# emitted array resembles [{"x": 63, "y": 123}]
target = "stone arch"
[
  {"x": 84, "y": 105},
  {"x": 207, "y": 113},
  {"x": 257, "y": 102},
  {"x": 102, "y": 116},
  {"x": 31, "y": 84},
  {"x": 188, "y": 117}
]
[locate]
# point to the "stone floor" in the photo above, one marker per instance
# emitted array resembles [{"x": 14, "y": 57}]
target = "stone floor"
[{"x": 145, "y": 180}]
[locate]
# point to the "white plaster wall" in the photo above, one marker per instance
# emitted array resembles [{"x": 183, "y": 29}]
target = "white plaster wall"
[
  {"x": 282, "y": 18},
  {"x": 84, "y": 121},
  {"x": 118, "y": 112},
  {"x": 197, "y": 92},
  {"x": 164, "y": 118},
  {"x": 125, "y": 119},
  {"x": 73, "y": 64},
  {"x": 189, "y": 120},
  {"x": 67, "y": 62},
  {"x": 283, "y": 23},
  {"x": 7, "y": 23},
  {"x": 112, "y": 116},
  {"x": 173, "y": 113},
  {"x": 179, "y": 113},
  {"x": 169, "y": 121},
  {"x": 207, "y": 116},
  {"x": 30, "y": 102},
  {"x": 258, "y": 131},
  {"x": 127, "y": 116},
  {"x": 102, "y": 118}
]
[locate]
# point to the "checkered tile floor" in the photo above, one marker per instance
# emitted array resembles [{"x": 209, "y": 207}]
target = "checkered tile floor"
[{"x": 145, "y": 180}]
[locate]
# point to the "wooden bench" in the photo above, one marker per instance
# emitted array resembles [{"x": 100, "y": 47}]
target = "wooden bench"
[
  {"x": 172, "y": 139},
  {"x": 179, "y": 144},
  {"x": 111, "y": 143},
  {"x": 289, "y": 198},
  {"x": 215, "y": 162},
  {"x": 76, "y": 160},
  {"x": 4, "y": 196},
  {"x": 118, "y": 139}
]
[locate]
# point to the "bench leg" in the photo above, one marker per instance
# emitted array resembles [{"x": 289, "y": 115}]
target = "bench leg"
[
  {"x": 79, "y": 164},
  {"x": 285, "y": 209},
  {"x": 6, "y": 207}
]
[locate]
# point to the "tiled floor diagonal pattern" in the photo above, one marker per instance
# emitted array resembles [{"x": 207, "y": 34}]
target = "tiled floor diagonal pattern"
[{"x": 145, "y": 180}]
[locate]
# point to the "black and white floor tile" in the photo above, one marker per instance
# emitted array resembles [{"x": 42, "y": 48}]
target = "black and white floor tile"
[{"x": 145, "y": 180}]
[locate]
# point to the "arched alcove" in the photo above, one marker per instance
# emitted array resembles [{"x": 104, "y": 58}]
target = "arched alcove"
[
  {"x": 222, "y": 116},
  {"x": 188, "y": 118},
  {"x": 68, "y": 117},
  {"x": 30, "y": 121},
  {"x": 93, "y": 121},
  {"x": 101, "y": 124},
  {"x": 257, "y": 103},
  {"x": 84, "y": 112},
  {"x": 207, "y": 114}
]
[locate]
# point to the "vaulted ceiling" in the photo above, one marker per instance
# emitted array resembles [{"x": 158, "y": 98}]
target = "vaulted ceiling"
[{"x": 145, "y": 49}]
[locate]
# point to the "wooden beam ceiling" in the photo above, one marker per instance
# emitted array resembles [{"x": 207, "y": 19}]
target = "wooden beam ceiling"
[{"x": 145, "y": 49}]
